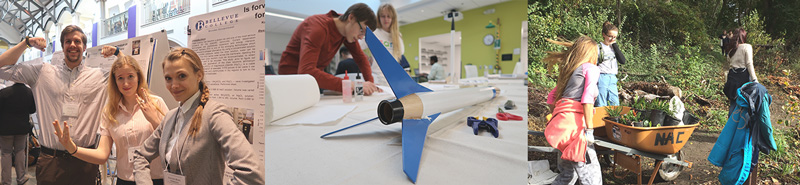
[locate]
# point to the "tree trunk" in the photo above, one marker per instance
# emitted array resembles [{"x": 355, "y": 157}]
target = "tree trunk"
[{"x": 619, "y": 14}]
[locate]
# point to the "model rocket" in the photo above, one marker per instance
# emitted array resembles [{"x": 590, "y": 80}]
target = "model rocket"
[{"x": 417, "y": 106}]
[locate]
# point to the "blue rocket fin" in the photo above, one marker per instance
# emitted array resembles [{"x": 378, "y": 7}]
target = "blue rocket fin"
[
  {"x": 398, "y": 79},
  {"x": 414, "y": 133}
]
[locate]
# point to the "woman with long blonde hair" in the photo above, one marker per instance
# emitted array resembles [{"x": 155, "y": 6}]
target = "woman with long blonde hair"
[
  {"x": 573, "y": 102},
  {"x": 130, "y": 116},
  {"x": 198, "y": 140},
  {"x": 388, "y": 32}
]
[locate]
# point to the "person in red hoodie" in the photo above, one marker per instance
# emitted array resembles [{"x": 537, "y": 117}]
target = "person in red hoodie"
[
  {"x": 573, "y": 108},
  {"x": 317, "y": 39}
]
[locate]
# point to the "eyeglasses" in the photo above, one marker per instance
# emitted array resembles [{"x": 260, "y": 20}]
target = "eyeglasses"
[{"x": 361, "y": 29}]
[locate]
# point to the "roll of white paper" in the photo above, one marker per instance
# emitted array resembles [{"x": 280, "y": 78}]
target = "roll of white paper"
[{"x": 289, "y": 94}]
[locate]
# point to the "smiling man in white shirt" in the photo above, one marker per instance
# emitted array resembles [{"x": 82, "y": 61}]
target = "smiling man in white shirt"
[{"x": 68, "y": 91}]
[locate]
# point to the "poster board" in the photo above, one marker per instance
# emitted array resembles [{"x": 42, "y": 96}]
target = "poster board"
[
  {"x": 231, "y": 46},
  {"x": 148, "y": 50}
]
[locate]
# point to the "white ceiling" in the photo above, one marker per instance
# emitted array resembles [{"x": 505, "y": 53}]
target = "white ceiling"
[
  {"x": 409, "y": 11},
  {"x": 282, "y": 25},
  {"x": 30, "y": 16},
  {"x": 441, "y": 39},
  {"x": 427, "y": 9},
  {"x": 301, "y": 9}
]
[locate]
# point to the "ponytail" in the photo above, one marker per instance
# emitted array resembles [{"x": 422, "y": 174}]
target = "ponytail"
[{"x": 607, "y": 26}]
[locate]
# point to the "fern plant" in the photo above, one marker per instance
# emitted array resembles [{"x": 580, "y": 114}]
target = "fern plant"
[{"x": 614, "y": 112}]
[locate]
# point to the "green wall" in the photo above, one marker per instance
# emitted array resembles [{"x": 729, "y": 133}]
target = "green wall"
[{"x": 473, "y": 29}]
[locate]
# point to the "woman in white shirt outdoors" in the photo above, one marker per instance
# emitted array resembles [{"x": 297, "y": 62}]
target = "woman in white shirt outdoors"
[
  {"x": 388, "y": 32},
  {"x": 129, "y": 117},
  {"x": 740, "y": 57}
]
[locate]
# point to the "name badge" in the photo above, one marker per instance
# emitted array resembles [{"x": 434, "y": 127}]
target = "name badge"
[
  {"x": 70, "y": 109},
  {"x": 174, "y": 179}
]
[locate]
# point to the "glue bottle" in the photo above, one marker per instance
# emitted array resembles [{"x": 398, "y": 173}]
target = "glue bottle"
[
  {"x": 347, "y": 89},
  {"x": 359, "y": 88}
]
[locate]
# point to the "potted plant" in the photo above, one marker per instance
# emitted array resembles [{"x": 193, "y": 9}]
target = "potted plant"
[
  {"x": 639, "y": 104},
  {"x": 632, "y": 119},
  {"x": 689, "y": 118},
  {"x": 657, "y": 113},
  {"x": 669, "y": 119},
  {"x": 614, "y": 114}
]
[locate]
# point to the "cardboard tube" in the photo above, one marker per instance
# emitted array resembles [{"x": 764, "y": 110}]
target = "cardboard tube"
[
  {"x": 419, "y": 105},
  {"x": 289, "y": 94}
]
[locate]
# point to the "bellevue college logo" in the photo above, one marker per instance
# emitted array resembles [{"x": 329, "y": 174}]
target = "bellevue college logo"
[{"x": 199, "y": 25}]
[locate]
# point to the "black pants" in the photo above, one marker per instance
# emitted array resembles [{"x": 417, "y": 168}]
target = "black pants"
[
  {"x": 736, "y": 78},
  {"x": 124, "y": 182}
]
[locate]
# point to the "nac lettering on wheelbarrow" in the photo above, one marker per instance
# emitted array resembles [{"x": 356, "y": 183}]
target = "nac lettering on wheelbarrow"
[
  {"x": 666, "y": 137},
  {"x": 660, "y": 140}
]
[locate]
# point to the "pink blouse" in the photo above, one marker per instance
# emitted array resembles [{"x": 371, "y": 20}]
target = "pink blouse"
[{"x": 132, "y": 130}]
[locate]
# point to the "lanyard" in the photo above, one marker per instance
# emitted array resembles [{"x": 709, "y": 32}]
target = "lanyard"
[{"x": 175, "y": 123}]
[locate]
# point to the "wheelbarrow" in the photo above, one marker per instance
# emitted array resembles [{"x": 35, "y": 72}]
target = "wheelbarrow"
[{"x": 629, "y": 144}]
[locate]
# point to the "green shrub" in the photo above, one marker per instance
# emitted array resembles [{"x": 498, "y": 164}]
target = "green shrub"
[
  {"x": 767, "y": 51},
  {"x": 552, "y": 20}
]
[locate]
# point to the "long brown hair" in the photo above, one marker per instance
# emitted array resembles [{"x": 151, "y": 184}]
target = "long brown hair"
[
  {"x": 583, "y": 50},
  {"x": 394, "y": 30},
  {"x": 114, "y": 96},
  {"x": 187, "y": 55},
  {"x": 739, "y": 37}
]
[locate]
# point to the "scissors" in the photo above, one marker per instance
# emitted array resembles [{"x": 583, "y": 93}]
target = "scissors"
[{"x": 504, "y": 116}]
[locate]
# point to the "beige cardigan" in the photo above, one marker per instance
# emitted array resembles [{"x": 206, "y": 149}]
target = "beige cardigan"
[
  {"x": 743, "y": 58},
  {"x": 203, "y": 157}
]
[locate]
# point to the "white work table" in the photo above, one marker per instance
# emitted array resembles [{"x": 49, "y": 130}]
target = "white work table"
[{"x": 371, "y": 153}]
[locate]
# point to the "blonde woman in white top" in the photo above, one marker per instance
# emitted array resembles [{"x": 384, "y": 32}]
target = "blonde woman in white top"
[
  {"x": 129, "y": 117},
  {"x": 740, "y": 56},
  {"x": 388, "y": 32}
]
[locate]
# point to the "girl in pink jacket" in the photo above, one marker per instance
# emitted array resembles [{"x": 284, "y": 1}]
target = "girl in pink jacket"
[{"x": 573, "y": 107}]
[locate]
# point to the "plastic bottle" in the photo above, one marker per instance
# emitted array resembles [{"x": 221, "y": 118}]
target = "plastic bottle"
[
  {"x": 359, "y": 88},
  {"x": 347, "y": 89}
]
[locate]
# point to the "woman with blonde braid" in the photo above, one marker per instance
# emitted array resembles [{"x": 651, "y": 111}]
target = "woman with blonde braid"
[
  {"x": 573, "y": 102},
  {"x": 198, "y": 140}
]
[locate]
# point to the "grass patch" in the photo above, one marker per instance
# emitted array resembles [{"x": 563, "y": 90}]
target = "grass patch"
[
  {"x": 783, "y": 161},
  {"x": 714, "y": 120}
]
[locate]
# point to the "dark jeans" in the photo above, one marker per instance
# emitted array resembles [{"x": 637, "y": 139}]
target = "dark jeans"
[{"x": 736, "y": 78}]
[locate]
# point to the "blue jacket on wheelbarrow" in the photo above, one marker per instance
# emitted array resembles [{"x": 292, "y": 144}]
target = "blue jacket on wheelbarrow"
[{"x": 747, "y": 132}]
